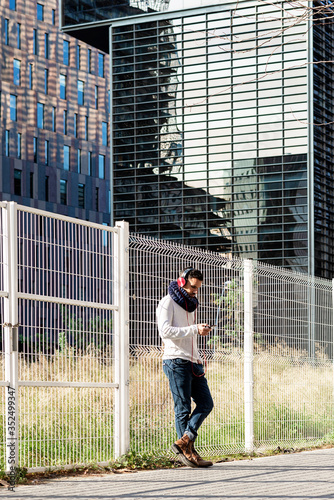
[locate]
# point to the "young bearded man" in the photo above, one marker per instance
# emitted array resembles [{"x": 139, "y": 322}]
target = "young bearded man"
[{"x": 176, "y": 314}]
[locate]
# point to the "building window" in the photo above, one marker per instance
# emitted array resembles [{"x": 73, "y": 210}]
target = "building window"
[
  {"x": 34, "y": 42},
  {"x": 67, "y": 157},
  {"x": 13, "y": 107},
  {"x": 46, "y": 152},
  {"x": 17, "y": 182},
  {"x": 19, "y": 145},
  {"x": 40, "y": 12},
  {"x": 66, "y": 52},
  {"x": 89, "y": 60},
  {"x": 46, "y": 45},
  {"x": 31, "y": 179},
  {"x": 75, "y": 125},
  {"x": 101, "y": 64},
  {"x": 6, "y": 32},
  {"x": 96, "y": 97},
  {"x": 62, "y": 83},
  {"x": 12, "y": 4},
  {"x": 86, "y": 128},
  {"x": 101, "y": 166},
  {"x": 53, "y": 119},
  {"x": 40, "y": 115},
  {"x": 79, "y": 161},
  {"x": 7, "y": 143},
  {"x": 97, "y": 199},
  {"x": 65, "y": 128},
  {"x": 18, "y": 35},
  {"x": 46, "y": 80},
  {"x": 104, "y": 134},
  {"x": 53, "y": 14},
  {"x": 46, "y": 188},
  {"x": 17, "y": 72},
  {"x": 81, "y": 92},
  {"x": 78, "y": 57},
  {"x": 90, "y": 162},
  {"x": 81, "y": 195},
  {"x": 30, "y": 75},
  {"x": 35, "y": 150},
  {"x": 63, "y": 192},
  {"x": 65, "y": 121}
]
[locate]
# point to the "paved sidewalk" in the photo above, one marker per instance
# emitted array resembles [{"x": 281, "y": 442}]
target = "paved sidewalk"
[{"x": 307, "y": 475}]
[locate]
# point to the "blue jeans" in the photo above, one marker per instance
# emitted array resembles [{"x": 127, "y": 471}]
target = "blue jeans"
[{"x": 185, "y": 386}]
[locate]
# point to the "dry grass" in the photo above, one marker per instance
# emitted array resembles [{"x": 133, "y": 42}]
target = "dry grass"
[{"x": 293, "y": 403}]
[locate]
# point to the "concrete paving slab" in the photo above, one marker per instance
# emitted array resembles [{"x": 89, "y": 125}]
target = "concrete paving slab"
[{"x": 298, "y": 476}]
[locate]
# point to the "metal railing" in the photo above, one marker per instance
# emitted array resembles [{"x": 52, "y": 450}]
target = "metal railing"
[{"x": 81, "y": 366}]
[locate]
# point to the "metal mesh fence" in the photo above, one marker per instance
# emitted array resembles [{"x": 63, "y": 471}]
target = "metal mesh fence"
[
  {"x": 65, "y": 345},
  {"x": 292, "y": 360},
  {"x": 293, "y": 369},
  {"x": 2, "y": 353},
  {"x": 65, "y": 425},
  {"x": 153, "y": 265}
]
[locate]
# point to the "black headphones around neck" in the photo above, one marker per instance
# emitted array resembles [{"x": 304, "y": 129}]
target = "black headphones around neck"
[{"x": 182, "y": 280}]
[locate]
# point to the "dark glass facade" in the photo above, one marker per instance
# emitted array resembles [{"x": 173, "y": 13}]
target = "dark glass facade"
[
  {"x": 206, "y": 148},
  {"x": 88, "y": 11},
  {"x": 323, "y": 102},
  {"x": 213, "y": 137}
]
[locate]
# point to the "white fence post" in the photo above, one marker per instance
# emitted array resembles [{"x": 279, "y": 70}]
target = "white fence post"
[
  {"x": 10, "y": 328},
  {"x": 121, "y": 347},
  {"x": 248, "y": 355}
]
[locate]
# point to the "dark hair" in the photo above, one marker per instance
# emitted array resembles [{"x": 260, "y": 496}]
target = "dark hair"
[{"x": 194, "y": 273}]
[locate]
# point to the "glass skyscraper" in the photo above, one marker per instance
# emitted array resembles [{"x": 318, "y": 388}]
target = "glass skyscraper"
[{"x": 222, "y": 125}]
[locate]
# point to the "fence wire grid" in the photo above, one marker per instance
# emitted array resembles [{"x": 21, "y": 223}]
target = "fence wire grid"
[
  {"x": 292, "y": 351},
  {"x": 68, "y": 346}
]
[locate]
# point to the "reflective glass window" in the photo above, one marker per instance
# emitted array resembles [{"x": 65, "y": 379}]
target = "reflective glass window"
[
  {"x": 81, "y": 94},
  {"x": 66, "y": 157},
  {"x": 6, "y": 28},
  {"x": 101, "y": 65},
  {"x": 17, "y": 72},
  {"x": 17, "y": 182},
  {"x": 101, "y": 166},
  {"x": 40, "y": 12},
  {"x": 13, "y": 107},
  {"x": 63, "y": 192},
  {"x": 66, "y": 52},
  {"x": 62, "y": 86},
  {"x": 40, "y": 115},
  {"x": 104, "y": 134}
]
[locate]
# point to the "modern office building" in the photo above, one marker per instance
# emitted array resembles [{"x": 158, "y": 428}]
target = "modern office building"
[
  {"x": 222, "y": 123},
  {"x": 54, "y": 115}
]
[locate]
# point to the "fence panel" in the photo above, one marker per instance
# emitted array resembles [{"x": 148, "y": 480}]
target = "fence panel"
[
  {"x": 72, "y": 298},
  {"x": 66, "y": 370},
  {"x": 153, "y": 265},
  {"x": 62, "y": 283},
  {"x": 292, "y": 361},
  {"x": 293, "y": 367},
  {"x": 2, "y": 353}
]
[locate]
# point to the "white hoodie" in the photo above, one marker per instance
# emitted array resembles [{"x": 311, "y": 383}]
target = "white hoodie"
[{"x": 178, "y": 331}]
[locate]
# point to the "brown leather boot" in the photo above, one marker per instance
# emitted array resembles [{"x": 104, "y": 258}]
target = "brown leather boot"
[
  {"x": 199, "y": 460},
  {"x": 184, "y": 448}
]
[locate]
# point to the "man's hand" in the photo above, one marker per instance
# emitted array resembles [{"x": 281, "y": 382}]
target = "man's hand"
[{"x": 203, "y": 329}]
